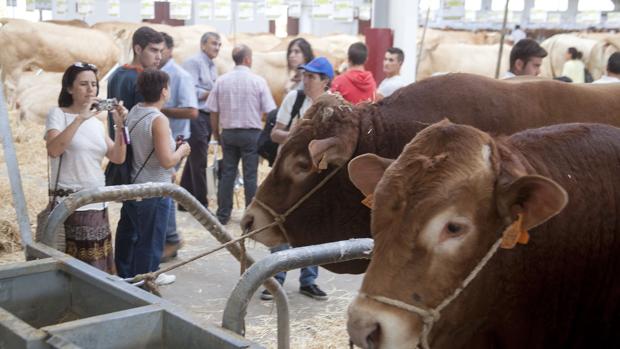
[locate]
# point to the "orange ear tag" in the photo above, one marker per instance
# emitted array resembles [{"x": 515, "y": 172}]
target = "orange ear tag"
[
  {"x": 368, "y": 200},
  {"x": 515, "y": 233}
]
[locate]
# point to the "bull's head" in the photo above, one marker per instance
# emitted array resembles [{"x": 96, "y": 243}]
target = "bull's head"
[
  {"x": 437, "y": 210},
  {"x": 324, "y": 138}
]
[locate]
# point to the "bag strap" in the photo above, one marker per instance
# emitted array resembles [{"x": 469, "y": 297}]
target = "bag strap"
[
  {"x": 148, "y": 157},
  {"x": 59, "y": 165},
  {"x": 299, "y": 101},
  {"x": 142, "y": 118},
  {"x": 141, "y": 167},
  {"x": 57, "y": 177}
]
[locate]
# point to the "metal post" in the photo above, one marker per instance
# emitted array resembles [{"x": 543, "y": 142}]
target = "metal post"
[
  {"x": 417, "y": 62},
  {"x": 19, "y": 201},
  {"x": 129, "y": 192},
  {"x": 501, "y": 40},
  {"x": 333, "y": 252}
]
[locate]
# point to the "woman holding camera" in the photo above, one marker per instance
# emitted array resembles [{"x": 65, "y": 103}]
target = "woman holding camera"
[
  {"x": 141, "y": 231},
  {"x": 77, "y": 142}
]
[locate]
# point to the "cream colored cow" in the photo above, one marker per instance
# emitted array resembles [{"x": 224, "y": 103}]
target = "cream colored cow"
[
  {"x": 557, "y": 46},
  {"x": 29, "y": 46},
  {"x": 436, "y": 36},
  {"x": 186, "y": 38},
  {"x": 37, "y": 92},
  {"x": 599, "y": 54},
  {"x": 260, "y": 42},
  {"x": 463, "y": 58}
]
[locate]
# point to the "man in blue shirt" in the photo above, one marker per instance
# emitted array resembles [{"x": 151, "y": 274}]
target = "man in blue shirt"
[
  {"x": 182, "y": 106},
  {"x": 147, "y": 45},
  {"x": 204, "y": 73}
]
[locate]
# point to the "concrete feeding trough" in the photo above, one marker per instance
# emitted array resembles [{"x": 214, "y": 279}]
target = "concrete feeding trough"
[{"x": 61, "y": 303}]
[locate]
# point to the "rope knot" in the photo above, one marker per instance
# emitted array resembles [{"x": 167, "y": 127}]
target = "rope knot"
[{"x": 431, "y": 316}]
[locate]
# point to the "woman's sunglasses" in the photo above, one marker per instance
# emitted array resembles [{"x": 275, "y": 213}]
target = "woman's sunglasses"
[{"x": 85, "y": 65}]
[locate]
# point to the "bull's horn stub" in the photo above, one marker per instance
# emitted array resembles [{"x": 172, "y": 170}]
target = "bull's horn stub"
[{"x": 323, "y": 162}]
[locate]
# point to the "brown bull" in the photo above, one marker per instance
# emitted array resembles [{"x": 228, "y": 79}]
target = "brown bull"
[
  {"x": 442, "y": 206},
  {"x": 334, "y": 133}
]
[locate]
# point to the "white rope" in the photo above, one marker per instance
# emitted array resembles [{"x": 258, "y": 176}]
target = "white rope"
[{"x": 430, "y": 316}]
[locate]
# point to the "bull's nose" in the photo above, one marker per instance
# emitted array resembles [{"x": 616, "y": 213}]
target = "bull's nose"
[
  {"x": 247, "y": 223},
  {"x": 365, "y": 336}
]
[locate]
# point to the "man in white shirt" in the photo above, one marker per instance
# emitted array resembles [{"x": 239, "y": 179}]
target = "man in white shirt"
[
  {"x": 517, "y": 35},
  {"x": 525, "y": 59},
  {"x": 613, "y": 70},
  {"x": 392, "y": 62}
]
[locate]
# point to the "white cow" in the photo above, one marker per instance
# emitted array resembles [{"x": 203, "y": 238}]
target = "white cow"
[
  {"x": 557, "y": 46},
  {"x": 29, "y": 46},
  {"x": 462, "y": 58}
]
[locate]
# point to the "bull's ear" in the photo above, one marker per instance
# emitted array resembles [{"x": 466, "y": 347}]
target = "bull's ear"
[
  {"x": 366, "y": 170},
  {"x": 537, "y": 198},
  {"x": 332, "y": 150}
]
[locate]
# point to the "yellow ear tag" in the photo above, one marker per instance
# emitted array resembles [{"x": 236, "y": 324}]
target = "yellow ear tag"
[
  {"x": 515, "y": 233},
  {"x": 368, "y": 200}
]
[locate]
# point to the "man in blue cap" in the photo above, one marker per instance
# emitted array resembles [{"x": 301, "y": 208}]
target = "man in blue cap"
[{"x": 317, "y": 77}]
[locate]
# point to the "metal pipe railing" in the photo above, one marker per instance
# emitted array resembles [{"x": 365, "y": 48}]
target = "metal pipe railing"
[
  {"x": 19, "y": 201},
  {"x": 147, "y": 190},
  {"x": 333, "y": 252}
]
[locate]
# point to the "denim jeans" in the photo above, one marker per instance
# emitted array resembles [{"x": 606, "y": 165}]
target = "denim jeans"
[
  {"x": 237, "y": 144},
  {"x": 140, "y": 235},
  {"x": 172, "y": 236},
  {"x": 307, "y": 274}
]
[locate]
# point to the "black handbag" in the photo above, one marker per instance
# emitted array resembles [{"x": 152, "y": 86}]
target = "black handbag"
[
  {"x": 119, "y": 174},
  {"x": 267, "y": 148}
]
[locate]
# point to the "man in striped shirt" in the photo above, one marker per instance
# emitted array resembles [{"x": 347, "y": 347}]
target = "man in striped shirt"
[{"x": 237, "y": 103}]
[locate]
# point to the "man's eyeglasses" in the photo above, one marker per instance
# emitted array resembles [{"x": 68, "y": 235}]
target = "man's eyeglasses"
[{"x": 85, "y": 65}]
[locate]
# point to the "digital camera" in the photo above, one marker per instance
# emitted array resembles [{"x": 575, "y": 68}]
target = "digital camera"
[{"x": 106, "y": 104}]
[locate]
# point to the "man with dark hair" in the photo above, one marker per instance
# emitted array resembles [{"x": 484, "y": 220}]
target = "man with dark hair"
[
  {"x": 237, "y": 102},
  {"x": 356, "y": 85},
  {"x": 525, "y": 59},
  {"x": 613, "y": 70},
  {"x": 182, "y": 106},
  {"x": 392, "y": 62},
  {"x": 203, "y": 71},
  {"x": 147, "y": 45}
]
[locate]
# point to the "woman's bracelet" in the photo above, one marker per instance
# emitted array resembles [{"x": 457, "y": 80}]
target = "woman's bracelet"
[{"x": 119, "y": 127}]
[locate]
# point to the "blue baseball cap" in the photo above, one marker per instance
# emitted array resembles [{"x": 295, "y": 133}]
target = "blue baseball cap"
[{"x": 319, "y": 65}]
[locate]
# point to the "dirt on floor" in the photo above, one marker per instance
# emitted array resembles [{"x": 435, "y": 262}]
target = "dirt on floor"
[{"x": 202, "y": 287}]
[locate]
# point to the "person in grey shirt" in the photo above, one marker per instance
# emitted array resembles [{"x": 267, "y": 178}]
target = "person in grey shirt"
[
  {"x": 181, "y": 107},
  {"x": 204, "y": 73},
  {"x": 141, "y": 230}
]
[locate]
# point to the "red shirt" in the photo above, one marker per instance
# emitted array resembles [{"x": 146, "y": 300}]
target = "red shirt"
[{"x": 355, "y": 86}]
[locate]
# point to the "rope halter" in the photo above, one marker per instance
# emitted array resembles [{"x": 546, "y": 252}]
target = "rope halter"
[
  {"x": 281, "y": 218},
  {"x": 431, "y": 315}
]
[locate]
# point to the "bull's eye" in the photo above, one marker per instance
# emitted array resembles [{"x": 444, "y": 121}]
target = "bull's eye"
[
  {"x": 454, "y": 228},
  {"x": 303, "y": 166}
]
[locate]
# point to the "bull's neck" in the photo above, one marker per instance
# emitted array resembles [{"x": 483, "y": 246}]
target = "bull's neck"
[{"x": 384, "y": 135}]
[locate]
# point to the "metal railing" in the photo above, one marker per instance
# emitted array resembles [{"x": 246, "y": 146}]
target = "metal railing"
[
  {"x": 333, "y": 252},
  {"x": 147, "y": 190}
]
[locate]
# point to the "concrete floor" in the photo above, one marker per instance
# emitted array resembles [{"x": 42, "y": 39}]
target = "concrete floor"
[{"x": 203, "y": 286}]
